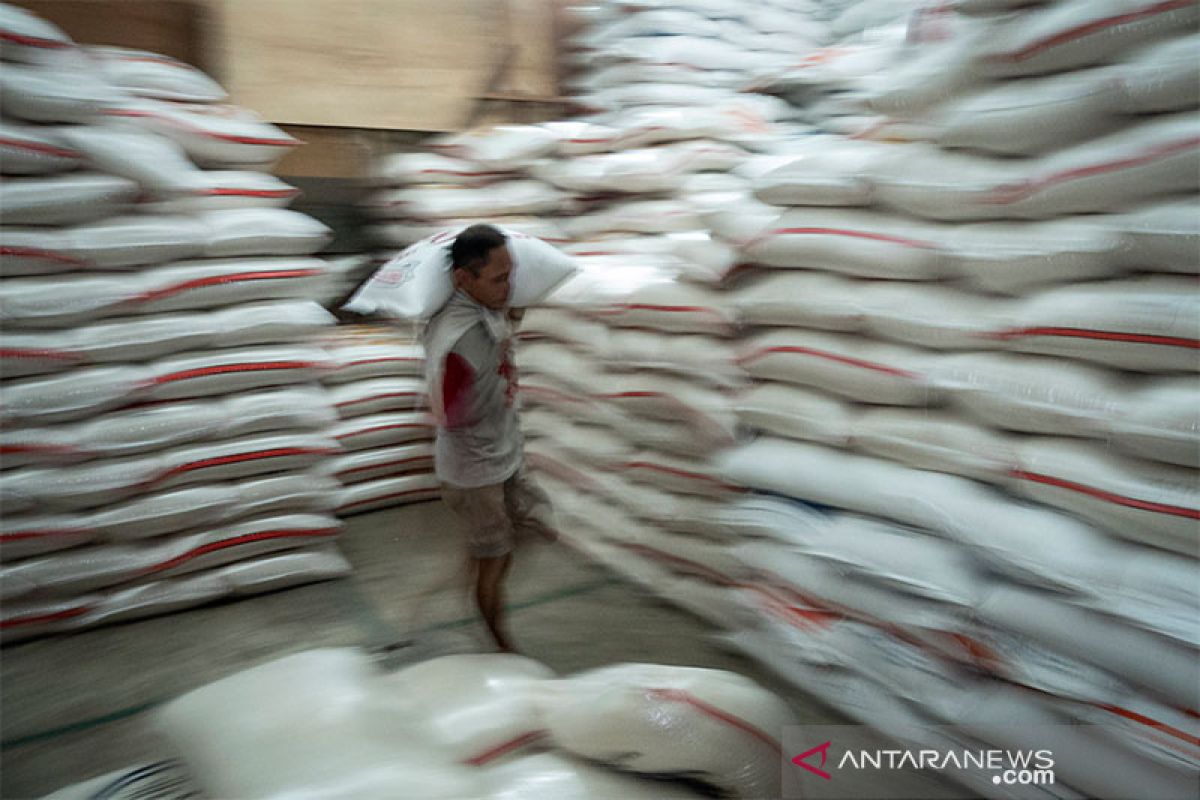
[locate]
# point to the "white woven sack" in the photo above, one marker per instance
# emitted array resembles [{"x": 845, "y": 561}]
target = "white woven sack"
[
  {"x": 34, "y": 150},
  {"x": 1138, "y": 500},
  {"x": 1161, "y": 421},
  {"x": 219, "y": 372},
  {"x": 819, "y": 171},
  {"x": 703, "y": 358},
  {"x": 478, "y": 708},
  {"x": 649, "y": 170},
  {"x": 1150, "y": 589},
  {"x": 262, "y": 232},
  {"x": 1029, "y": 117},
  {"x": 780, "y": 519},
  {"x": 572, "y": 778},
  {"x": 1077, "y": 33},
  {"x": 379, "y": 463},
  {"x": 674, "y": 438},
  {"x": 676, "y": 474},
  {"x": 500, "y": 147},
  {"x": 185, "y": 286},
  {"x": 215, "y": 136},
  {"x": 1030, "y": 394},
  {"x": 617, "y": 714},
  {"x": 214, "y": 190},
  {"x": 66, "y": 199},
  {"x": 560, "y": 325},
  {"x": 850, "y": 366},
  {"x": 635, "y": 216},
  {"x": 153, "y": 75},
  {"x": 668, "y": 398},
  {"x": 932, "y": 66},
  {"x": 558, "y": 363},
  {"x": 937, "y": 317},
  {"x": 27, "y": 38},
  {"x": 702, "y": 257},
  {"x": 109, "y": 481},
  {"x": 91, "y": 568},
  {"x": 1016, "y": 257},
  {"x": 1161, "y": 77},
  {"x": 382, "y": 430},
  {"x": 145, "y": 338},
  {"x": 1171, "y": 674},
  {"x": 115, "y": 243},
  {"x": 377, "y": 396},
  {"x": 81, "y": 393},
  {"x": 387, "y": 493},
  {"x": 408, "y": 169},
  {"x": 1163, "y": 237},
  {"x": 1139, "y": 722},
  {"x": 864, "y": 243},
  {"x": 417, "y": 283},
  {"x": 795, "y": 413},
  {"x": 1154, "y": 158},
  {"x": 362, "y": 362},
  {"x": 1144, "y": 325},
  {"x": 345, "y": 700},
  {"x": 799, "y": 298},
  {"x": 935, "y": 441},
  {"x": 446, "y": 202},
  {"x": 674, "y": 308},
  {"x": 159, "y": 166},
  {"x": 166, "y": 512},
  {"x": 1033, "y": 544},
  {"x": 63, "y": 90}
]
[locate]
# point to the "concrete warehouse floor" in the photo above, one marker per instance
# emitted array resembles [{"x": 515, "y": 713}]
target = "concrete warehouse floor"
[{"x": 77, "y": 706}]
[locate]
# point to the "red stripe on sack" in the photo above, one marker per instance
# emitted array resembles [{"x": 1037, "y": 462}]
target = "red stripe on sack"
[
  {"x": 373, "y": 397},
  {"x": 1131, "y": 502},
  {"x": 238, "y": 458},
  {"x": 391, "y": 496},
  {"x": 201, "y": 131},
  {"x": 1153, "y": 723},
  {"x": 1015, "y": 192},
  {"x": 383, "y": 360},
  {"x": 506, "y": 747},
  {"x": 234, "y": 542},
  {"x": 39, "y": 534},
  {"x": 1086, "y": 333},
  {"x": 217, "y": 280},
  {"x": 876, "y": 237},
  {"x": 380, "y": 428},
  {"x": 695, "y": 567},
  {"x": 32, "y": 352},
  {"x": 369, "y": 467},
  {"x": 38, "y": 448},
  {"x": 33, "y": 252},
  {"x": 1089, "y": 28},
  {"x": 203, "y": 372},
  {"x": 231, "y": 192},
  {"x": 70, "y": 613},
  {"x": 680, "y": 696},
  {"x": 696, "y": 476},
  {"x": 34, "y": 41},
  {"x": 38, "y": 147},
  {"x": 853, "y": 362}
]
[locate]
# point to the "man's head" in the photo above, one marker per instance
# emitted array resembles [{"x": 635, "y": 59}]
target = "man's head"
[{"x": 482, "y": 265}]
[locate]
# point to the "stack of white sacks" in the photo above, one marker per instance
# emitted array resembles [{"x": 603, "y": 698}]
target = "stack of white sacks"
[
  {"x": 377, "y": 388},
  {"x": 628, "y": 376},
  {"x": 330, "y": 723},
  {"x": 976, "y": 382},
  {"x": 160, "y": 414}
]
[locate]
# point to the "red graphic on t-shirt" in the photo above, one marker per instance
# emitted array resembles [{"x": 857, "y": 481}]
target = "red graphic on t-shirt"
[{"x": 508, "y": 371}]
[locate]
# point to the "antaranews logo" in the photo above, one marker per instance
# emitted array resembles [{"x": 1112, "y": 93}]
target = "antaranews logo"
[{"x": 957, "y": 767}]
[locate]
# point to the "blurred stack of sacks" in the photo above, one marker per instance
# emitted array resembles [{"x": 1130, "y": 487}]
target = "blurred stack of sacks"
[
  {"x": 626, "y": 383},
  {"x": 159, "y": 411},
  {"x": 377, "y": 388},
  {"x": 330, "y": 723},
  {"x": 976, "y": 380},
  {"x": 465, "y": 178}
]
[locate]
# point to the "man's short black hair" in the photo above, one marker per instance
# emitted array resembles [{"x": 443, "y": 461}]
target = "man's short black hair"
[{"x": 471, "y": 247}]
